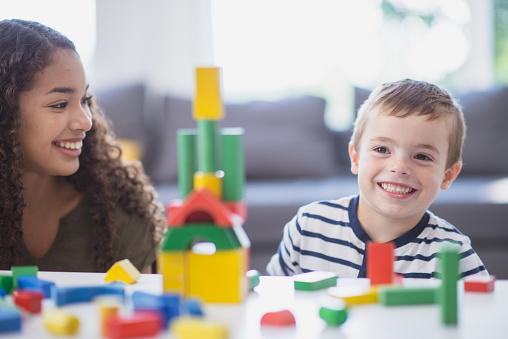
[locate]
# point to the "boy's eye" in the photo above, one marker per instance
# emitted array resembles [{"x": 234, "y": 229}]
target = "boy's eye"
[
  {"x": 381, "y": 149},
  {"x": 422, "y": 157}
]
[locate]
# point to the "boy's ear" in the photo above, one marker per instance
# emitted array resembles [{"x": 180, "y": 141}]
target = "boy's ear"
[
  {"x": 353, "y": 156},
  {"x": 450, "y": 175}
]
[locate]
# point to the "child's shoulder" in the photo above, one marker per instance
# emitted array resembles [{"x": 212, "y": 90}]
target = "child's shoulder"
[{"x": 441, "y": 228}]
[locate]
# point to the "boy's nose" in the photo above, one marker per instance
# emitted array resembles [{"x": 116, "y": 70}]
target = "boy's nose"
[{"x": 399, "y": 166}]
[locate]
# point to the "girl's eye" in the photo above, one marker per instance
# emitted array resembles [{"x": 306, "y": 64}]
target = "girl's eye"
[
  {"x": 381, "y": 149},
  {"x": 86, "y": 100},
  {"x": 422, "y": 157},
  {"x": 60, "y": 105}
]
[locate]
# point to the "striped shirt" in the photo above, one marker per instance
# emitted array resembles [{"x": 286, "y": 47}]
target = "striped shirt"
[{"x": 327, "y": 236}]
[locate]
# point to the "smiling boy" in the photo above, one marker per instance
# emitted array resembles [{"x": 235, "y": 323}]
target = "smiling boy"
[{"x": 406, "y": 145}]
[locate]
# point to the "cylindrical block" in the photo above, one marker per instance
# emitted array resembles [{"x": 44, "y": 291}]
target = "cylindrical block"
[
  {"x": 210, "y": 181},
  {"x": 233, "y": 164},
  {"x": 186, "y": 160},
  {"x": 207, "y": 145}
]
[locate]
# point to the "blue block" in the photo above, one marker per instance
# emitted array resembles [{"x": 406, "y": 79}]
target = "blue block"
[
  {"x": 191, "y": 307},
  {"x": 10, "y": 319},
  {"x": 2, "y": 292},
  {"x": 68, "y": 295},
  {"x": 167, "y": 304},
  {"x": 34, "y": 283}
]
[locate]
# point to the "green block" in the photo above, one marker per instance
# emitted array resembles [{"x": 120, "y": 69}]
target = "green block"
[
  {"x": 253, "y": 276},
  {"x": 186, "y": 161},
  {"x": 334, "y": 312},
  {"x": 6, "y": 283},
  {"x": 207, "y": 145},
  {"x": 447, "y": 292},
  {"x": 389, "y": 296},
  {"x": 19, "y": 271},
  {"x": 317, "y": 280},
  {"x": 233, "y": 164},
  {"x": 182, "y": 238}
]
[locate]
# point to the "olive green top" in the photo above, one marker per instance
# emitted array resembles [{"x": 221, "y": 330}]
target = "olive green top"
[{"x": 73, "y": 247}]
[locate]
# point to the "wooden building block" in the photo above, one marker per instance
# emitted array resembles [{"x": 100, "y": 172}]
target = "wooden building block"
[
  {"x": 380, "y": 258},
  {"x": 279, "y": 318},
  {"x": 447, "y": 292},
  {"x": 167, "y": 305},
  {"x": 140, "y": 324},
  {"x": 209, "y": 180},
  {"x": 20, "y": 271},
  {"x": 31, "y": 282},
  {"x": 208, "y": 103},
  {"x": 480, "y": 285},
  {"x": 60, "y": 322},
  {"x": 368, "y": 297},
  {"x": 334, "y": 312},
  {"x": 389, "y": 296},
  {"x": 192, "y": 328},
  {"x": 10, "y": 319},
  {"x": 124, "y": 271},
  {"x": 30, "y": 301},
  {"x": 317, "y": 280},
  {"x": 68, "y": 295}
]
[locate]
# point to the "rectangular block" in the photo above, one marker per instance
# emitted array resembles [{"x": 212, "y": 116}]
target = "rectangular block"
[
  {"x": 380, "y": 259},
  {"x": 389, "y": 296},
  {"x": 317, "y": 280},
  {"x": 480, "y": 285}
]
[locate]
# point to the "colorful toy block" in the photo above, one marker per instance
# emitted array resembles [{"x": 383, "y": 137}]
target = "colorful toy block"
[
  {"x": 29, "y": 301},
  {"x": 140, "y": 324},
  {"x": 334, "y": 312},
  {"x": 123, "y": 270},
  {"x": 191, "y": 307},
  {"x": 211, "y": 208},
  {"x": 480, "y": 285},
  {"x": 192, "y": 327},
  {"x": 368, "y": 297},
  {"x": 253, "y": 276},
  {"x": 60, "y": 322},
  {"x": 168, "y": 305},
  {"x": 208, "y": 102},
  {"x": 20, "y": 271},
  {"x": 281, "y": 318},
  {"x": 317, "y": 280},
  {"x": 380, "y": 258},
  {"x": 6, "y": 283},
  {"x": 34, "y": 283},
  {"x": 389, "y": 296},
  {"x": 447, "y": 292},
  {"x": 68, "y": 295},
  {"x": 10, "y": 319},
  {"x": 107, "y": 306}
]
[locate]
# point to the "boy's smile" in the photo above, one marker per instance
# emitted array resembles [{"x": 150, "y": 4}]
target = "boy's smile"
[{"x": 401, "y": 165}]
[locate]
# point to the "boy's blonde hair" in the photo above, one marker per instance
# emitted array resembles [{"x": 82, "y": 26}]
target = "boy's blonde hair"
[{"x": 407, "y": 97}]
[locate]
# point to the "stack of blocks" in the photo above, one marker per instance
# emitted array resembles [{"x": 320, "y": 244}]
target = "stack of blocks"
[{"x": 211, "y": 179}]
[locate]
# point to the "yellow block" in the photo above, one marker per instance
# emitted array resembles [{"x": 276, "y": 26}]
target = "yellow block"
[
  {"x": 123, "y": 270},
  {"x": 60, "y": 323},
  {"x": 208, "y": 102},
  {"x": 220, "y": 277},
  {"x": 172, "y": 268},
  {"x": 108, "y": 305},
  {"x": 211, "y": 181},
  {"x": 191, "y": 328},
  {"x": 369, "y": 297}
]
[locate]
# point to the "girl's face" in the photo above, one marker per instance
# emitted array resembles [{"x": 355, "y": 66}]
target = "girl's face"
[{"x": 55, "y": 117}]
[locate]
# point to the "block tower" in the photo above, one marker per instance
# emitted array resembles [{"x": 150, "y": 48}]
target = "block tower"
[{"x": 211, "y": 179}]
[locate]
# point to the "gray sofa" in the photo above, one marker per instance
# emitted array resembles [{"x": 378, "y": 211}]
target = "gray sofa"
[{"x": 292, "y": 159}]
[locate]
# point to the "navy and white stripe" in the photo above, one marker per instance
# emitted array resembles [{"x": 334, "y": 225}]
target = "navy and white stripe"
[{"x": 326, "y": 236}]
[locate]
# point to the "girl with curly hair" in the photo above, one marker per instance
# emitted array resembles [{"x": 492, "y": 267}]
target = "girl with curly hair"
[{"x": 67, "y": 200}]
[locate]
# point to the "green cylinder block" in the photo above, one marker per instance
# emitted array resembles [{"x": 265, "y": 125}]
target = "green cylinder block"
[
  {"x": 233, "y": 164},
  {"x": 207, "y": 145},
  {"x": 186, "y": 160}
]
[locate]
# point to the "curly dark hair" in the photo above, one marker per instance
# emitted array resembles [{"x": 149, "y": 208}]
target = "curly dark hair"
[{"x": 25, "y": 50}]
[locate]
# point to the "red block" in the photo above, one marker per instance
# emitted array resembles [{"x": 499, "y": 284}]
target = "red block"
[
  {"x": 141, "y": 324},
  {"x": 380, "y": 258},
  {"x": 480, "y": 285},
  {"x": 29, "y": 301},
  {"x": 280, "y": 318}
]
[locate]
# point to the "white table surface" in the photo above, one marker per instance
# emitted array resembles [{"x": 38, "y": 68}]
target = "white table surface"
[{"x": 481, "y": 315}]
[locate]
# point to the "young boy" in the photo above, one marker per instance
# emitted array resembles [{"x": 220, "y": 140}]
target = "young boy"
[{"x": 406, "y": 145}]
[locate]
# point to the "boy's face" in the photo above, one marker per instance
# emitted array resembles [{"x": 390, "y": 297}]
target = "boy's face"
[{"x": 401, "y": 164}]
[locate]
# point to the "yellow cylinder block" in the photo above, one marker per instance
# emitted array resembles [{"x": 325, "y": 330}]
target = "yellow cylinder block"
[{"x": 211, "y": 181}]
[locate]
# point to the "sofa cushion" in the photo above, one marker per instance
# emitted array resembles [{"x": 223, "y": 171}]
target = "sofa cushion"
[
  {"x": 283, "y": 139},
  {"x": 486, "y": 144}
]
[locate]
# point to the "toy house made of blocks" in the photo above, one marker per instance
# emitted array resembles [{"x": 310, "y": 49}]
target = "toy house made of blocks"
[{"x": 211, "y": 179}]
